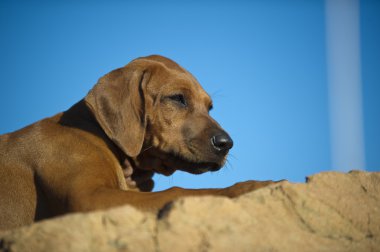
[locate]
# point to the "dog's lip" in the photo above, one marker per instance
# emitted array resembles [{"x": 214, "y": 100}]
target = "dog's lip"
[
  {"x": 165, "y": 170},
  {"x": 171, "y": 162},
  {"x": 202, "y": 168},
  {"x": 193, "y": 168}
]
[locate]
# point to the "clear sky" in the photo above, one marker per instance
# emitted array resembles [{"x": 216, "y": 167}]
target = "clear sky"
[{"x": 263, "y": 63}]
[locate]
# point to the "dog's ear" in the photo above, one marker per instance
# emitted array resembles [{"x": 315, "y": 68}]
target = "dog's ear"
[{"x": 118, "y": 103}]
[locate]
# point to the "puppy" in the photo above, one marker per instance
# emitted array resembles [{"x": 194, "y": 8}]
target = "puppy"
[{"x": 151, "y": 116}]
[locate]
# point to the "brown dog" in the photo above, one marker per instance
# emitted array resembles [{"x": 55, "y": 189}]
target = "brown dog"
[{"x": 149, "y": 116}]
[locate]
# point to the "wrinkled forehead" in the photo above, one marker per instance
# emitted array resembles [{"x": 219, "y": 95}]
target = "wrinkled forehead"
[
  {"x": 170, "y": 78},
  {"x": 187, "y": 84}
]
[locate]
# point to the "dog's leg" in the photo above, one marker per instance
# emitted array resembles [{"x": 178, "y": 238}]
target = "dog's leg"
[{"x": 103, "y": 198}]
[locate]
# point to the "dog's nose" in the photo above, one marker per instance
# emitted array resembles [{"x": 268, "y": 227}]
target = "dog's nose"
[{"x": 222, "y": 142}]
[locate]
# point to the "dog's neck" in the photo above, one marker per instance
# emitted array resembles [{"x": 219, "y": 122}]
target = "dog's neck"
[
  {"x": 136, "y": 177},
  {"x": 80, "y": 116}
]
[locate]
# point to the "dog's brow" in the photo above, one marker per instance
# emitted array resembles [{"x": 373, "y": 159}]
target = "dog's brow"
[
  {"x": 211, "y": 106},
  {"x": 208, "y": 103}
]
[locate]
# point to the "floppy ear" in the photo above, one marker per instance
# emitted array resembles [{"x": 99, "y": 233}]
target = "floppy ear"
[{"x": 118, "y": 103}]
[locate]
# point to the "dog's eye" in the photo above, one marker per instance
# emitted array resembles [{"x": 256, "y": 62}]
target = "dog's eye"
[{"x": 178, "y": 98}]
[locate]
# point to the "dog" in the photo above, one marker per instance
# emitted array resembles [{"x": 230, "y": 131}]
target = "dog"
[{"x": 151, "y": 116}]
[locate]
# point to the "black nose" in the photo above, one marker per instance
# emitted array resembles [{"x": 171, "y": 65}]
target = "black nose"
[{"x": 222, "y": 142}]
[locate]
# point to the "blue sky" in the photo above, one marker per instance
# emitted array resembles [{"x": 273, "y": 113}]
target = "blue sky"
[{"x": 263, "y": 63}]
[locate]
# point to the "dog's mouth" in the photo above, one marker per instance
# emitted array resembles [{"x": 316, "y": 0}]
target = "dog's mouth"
[
  {"x": 174, "y": 162},
  {"x": 193, "y": 168},
  {"x": 167, "y": 163}
]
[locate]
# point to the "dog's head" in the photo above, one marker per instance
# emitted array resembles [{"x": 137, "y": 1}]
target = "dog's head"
[{"x": 158, "y": 113}]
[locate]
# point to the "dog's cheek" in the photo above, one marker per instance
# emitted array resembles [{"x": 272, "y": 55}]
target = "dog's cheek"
[
  {"x": 195, "y": 131},
  {"x": 187, "y": 133},
  {"x": 161, "y": 134},
  {"x": 159, "y": 126}
]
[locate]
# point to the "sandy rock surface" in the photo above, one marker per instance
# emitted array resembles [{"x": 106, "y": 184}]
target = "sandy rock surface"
[{"x": 331, "y": 212}]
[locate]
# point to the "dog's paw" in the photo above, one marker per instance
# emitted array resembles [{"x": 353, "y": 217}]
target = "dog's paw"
[
  {"x": 245, "y": 187},
  {"x": 128, "y": 172}
]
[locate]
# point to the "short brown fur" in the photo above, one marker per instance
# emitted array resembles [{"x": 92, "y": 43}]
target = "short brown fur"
[{"x": 104, "y": 150}]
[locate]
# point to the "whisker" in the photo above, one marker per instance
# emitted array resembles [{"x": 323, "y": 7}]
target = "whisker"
[
  {"x": 147, "y": 149},
  {"x": 171, "y": 179},
  {"x": 232, "y": 156},
  {"x": 217, "y": 93},
  {"x": 229, "y": 165}
]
